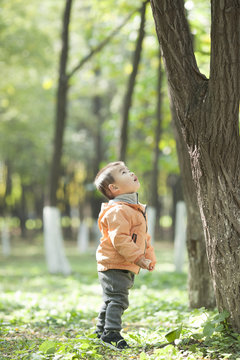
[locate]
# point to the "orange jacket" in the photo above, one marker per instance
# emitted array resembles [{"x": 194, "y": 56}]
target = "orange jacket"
[{"x": 124, "y": 237}]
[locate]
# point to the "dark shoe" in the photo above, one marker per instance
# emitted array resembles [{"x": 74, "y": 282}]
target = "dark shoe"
[{"x": 114, "y": 340}]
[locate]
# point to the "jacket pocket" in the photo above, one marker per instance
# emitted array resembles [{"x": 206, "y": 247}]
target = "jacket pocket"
[{"x": 134, "y": 237}]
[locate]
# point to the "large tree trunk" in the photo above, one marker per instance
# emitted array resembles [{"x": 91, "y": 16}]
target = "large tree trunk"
[
  {"x": 200, "y": 287},
  {"x": 208, "y": 112},
  {"x": 130, "y": 88}
]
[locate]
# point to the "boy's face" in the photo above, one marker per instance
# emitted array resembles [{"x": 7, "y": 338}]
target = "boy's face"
[{"x": 125, "y": 181}]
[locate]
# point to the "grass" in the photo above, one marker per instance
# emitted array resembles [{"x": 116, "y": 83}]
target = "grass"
[{"x": 45, "y": 316}]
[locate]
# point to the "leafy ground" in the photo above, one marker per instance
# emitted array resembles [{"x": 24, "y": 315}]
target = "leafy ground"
[{"x": 53, "y": 317}]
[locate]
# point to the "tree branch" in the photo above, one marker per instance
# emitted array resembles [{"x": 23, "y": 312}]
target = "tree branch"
[
  {"x": 100, "y": 46},
  {"x": 176, "y": 43}
]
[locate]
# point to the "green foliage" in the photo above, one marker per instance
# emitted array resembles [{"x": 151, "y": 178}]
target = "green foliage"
[
  {"x": 217, "y": 324},
  {"x": 51, "y": 317},
  {"x": 48, "y": 347},
  {"x": 173, "y": 335}
]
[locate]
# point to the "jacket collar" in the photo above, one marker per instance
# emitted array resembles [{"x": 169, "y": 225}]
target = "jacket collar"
[
  {"x": 127, "y": 198},
  {"x": 130, "y": 199}
]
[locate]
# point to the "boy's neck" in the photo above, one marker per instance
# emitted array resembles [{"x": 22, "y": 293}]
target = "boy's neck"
[{"x": 128, "y": 198}]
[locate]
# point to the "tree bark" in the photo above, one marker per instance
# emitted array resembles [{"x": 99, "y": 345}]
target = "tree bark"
[
  {"x": 200, "y": 286},
  {"x": 207, "y": 112},
  {"x": 130, "y": 88}
]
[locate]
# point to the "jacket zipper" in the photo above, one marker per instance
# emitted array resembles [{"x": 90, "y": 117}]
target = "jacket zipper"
[{"x": 145, "y": 217}]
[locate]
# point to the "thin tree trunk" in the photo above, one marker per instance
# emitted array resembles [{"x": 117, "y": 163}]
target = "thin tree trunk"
[
  {"x": 61, "y": 110},
  {"x": 98, "y": 140},
  {"x": 98, "y": 149},
  {"x": 154, "y": 195},
  {"x": 130, "y": 88},
  {"x": 23, "y": 211},
  {"x": 158, "y": 130},
  {"x": 8, "y": 189},
  {"x": 207, "y": 113},
  {"x": 53, "y": 239},
  {"x": 97, "y": 109},
  {"x": 5, "y": 235}
]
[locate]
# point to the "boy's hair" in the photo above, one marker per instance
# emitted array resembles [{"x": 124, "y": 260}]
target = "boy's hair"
[{"x": 105, "y": 178}]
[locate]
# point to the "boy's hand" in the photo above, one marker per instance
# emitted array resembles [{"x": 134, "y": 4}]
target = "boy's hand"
[
  {"x": 145, "y": 264},
  {"x": 151, "y": 268}
]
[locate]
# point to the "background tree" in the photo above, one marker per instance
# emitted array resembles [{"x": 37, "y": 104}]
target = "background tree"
[
  {"x": 130, "y": 87},
  {"x": 55, "y": 255},
  {"x": 207, "y": 112},
  {"x": 61, "y": 107},
  {"x": 154, "y": 200}
]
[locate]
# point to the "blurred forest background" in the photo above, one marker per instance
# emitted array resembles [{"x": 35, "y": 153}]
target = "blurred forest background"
[
  {"x": 83, "y": 84},
  {"x": 101, "y": 69}
]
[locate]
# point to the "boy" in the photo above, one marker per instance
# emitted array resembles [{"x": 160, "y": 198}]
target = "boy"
[{"x": 124, "y": 247}]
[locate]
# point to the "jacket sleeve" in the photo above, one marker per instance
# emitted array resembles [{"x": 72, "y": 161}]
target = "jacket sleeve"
[
  {"x": 150, "y": 254},
  {"x": 119, "y": 232}
]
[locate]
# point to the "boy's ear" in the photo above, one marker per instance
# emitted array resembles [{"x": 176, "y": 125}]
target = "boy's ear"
[{"x": 113, "y": 188}]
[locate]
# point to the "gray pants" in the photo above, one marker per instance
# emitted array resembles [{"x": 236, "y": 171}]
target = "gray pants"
[{"x": 115, "y": 285}]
